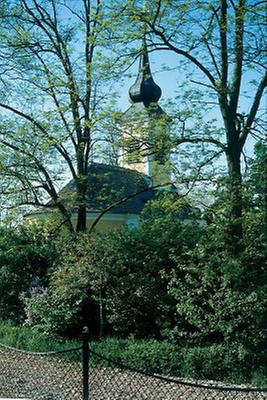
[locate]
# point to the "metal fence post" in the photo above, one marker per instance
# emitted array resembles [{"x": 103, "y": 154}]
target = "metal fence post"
[{"x": 85, "y": 336}]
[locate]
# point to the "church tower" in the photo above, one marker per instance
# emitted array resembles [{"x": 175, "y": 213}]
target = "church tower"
[{"x": 145, "y": 127}]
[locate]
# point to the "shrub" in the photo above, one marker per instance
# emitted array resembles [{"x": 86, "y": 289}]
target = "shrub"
[
  {"x": 215, "y": 362},
  {"x": 26, "y": 338},
  {"x": 159, "y": 357},
  {"x": 233, "y": 364},
  {"x": 220, "y": 297},
  {"x": 25, "y": 254}
]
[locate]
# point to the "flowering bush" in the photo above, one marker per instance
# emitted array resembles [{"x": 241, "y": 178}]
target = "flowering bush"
[{"x": 35, "y": 295}]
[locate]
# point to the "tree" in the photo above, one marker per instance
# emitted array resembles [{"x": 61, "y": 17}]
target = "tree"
[
  {"x": 56, "y": 72},
  {"x": 26, "y": 254},
  {"x": 114, "y": 282},
  {"x": 223, "y": 42}
]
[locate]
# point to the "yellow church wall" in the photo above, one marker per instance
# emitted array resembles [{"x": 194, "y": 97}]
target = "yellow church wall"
[
  {"x": 103, "y": 226},
  {"x": 111, "y": 221},
  {"x": 106, "y": 223}
]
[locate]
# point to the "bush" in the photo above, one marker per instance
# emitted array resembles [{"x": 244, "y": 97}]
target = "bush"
[
  {"x": 215, "y": 362},
  {"x": 150, "y": 356},
  {"x": 159, "y": 357},
  {"x": 109, "y": 347},
  {"x": 119, "y": 273},
  {"x": 52, "y": 314},
  {"x": 232, "y": 364},
  {"x": 25, "y": 254},
  {"x": 72, "y": 298},
  {"x": 221, "y": 296},
  {"x": 26, "y": 338}
]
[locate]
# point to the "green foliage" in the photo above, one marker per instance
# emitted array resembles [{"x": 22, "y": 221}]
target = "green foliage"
[
  {"x": 255, "y": 184},
  {"x": 164, "y": 279},
  {"x": 26, "y": 338},
  {"x": 138, "y": 288},
  {"x": 25, "y": 254},
  {"x": 110, "y": 347},
  {"x": 73, "y": 297},
  {"x": 137, "y": 295},
  {"x": 50, "y": 312},
  {"x": 152, "y": 356},
  {"x": 220, "y": 297},
  {"x": 101, "y": 280},
  {"x": 221, "y": 362},
  {"x": 221, "y": 303},
  {"x": 147, "y": 355},
  {"x": 54, "y": 121}
]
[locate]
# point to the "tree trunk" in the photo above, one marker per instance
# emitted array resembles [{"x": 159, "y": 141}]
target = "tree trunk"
[
  {"x": 234, "y": 195},
  {"x": 66, "y": 217},
  {"x": 81, "y": 220},
  {"x": 234, "y": 183},
  {"x": 81, "y": 199},
  {"x": 101, "y": 318}
]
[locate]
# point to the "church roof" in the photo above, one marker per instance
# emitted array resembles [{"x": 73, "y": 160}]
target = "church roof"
[
  {"x": 144, "y": 94},
  {"x": 108, "y": 184},
  {"x": 144, "y": 89}
]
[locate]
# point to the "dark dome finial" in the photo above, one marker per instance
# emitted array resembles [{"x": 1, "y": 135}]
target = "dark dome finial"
[{"x": 144, "y": 89}]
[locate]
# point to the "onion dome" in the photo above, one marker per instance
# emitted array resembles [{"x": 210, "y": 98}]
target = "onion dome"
[{"x": 144, "y": 89}]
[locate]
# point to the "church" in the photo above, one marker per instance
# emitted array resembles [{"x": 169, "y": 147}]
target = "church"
[{"x": 117, "y": 194}]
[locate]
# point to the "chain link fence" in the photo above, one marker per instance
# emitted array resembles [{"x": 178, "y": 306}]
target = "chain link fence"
[
  {"x": 83, "y": 374},
  {"x": 109, "y": 380},
  {"x": 41, "y": 376}
]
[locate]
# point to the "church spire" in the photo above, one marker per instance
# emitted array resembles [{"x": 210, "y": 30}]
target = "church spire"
[{"x": 144, "y": 89}]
